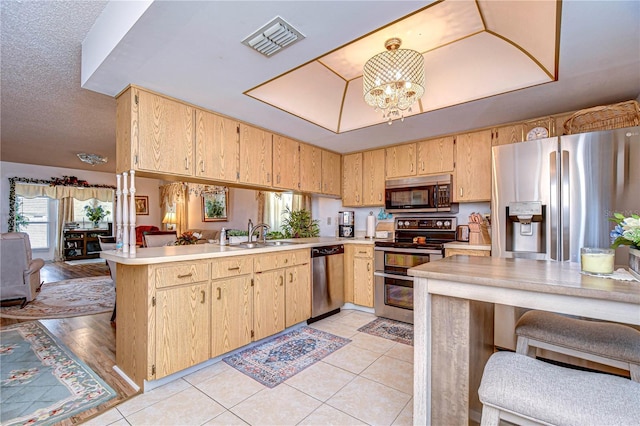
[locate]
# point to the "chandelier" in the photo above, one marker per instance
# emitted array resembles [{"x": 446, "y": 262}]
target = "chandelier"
[
  {"x": 393, "y": 80},
  {"x": 92, "y": 159}
]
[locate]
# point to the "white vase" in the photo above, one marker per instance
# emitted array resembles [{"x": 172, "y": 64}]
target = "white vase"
[{"x": 634, "y": 261}]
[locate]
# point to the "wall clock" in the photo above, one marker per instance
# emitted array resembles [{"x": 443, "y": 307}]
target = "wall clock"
[{"x": 538, "y": 132}]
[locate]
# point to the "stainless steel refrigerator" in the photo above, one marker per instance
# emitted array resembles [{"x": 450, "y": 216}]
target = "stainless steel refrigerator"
[{"x": 553, "y": 196}]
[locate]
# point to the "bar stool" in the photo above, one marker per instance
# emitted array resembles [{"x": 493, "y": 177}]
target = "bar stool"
[
  {"x": 606, "y": 343},
  {"x": 525, "y": 391}
]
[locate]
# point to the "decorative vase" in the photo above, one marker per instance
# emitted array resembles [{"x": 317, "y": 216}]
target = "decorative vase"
[
  {"x": 96, "y": 224},
  {"x": 634, "y": 261}
]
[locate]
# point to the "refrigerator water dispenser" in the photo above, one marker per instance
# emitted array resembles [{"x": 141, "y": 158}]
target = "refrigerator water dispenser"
[{"x": 526, "y": 227}]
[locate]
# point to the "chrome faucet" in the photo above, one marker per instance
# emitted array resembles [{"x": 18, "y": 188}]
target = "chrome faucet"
[
  {"x": 253, "y": 229},
  {"x": 249, "y": 229}
]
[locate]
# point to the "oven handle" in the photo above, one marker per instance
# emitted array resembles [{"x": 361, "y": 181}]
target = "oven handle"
[
  {"x": 408, "y": 250},
  {"x": 397, "y": 277}
]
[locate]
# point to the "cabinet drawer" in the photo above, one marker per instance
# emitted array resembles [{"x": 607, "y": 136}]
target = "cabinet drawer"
[
  {"x": 281, "y": 260},
  {"x": 182, "y": 273},
  {"x": 363, "y": 251},
  {"x": 231, "y": 267}
]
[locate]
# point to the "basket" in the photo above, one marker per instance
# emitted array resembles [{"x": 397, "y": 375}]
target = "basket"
[{"x": 606, "y": 117}]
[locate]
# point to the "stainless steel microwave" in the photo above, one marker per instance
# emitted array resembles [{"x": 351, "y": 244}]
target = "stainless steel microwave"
[{"x": 424, "y": 194}]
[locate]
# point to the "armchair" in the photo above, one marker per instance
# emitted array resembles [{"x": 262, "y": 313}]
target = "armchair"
[{"x": 20, "y": 273}]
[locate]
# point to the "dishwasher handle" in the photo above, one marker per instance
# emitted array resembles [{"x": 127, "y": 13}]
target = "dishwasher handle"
[{"x": 327, "y": 250}]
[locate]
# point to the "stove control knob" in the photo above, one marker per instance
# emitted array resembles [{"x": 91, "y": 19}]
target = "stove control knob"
[
  {"x": 406, "y": 224},
  {"x": 447, "y": 224},
  {"x": 439, "y": 224}
]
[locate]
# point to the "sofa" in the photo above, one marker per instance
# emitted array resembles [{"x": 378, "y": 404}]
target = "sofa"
[
  {"x": 20, "y": 273},
  {"x": 206, "y": 234}
]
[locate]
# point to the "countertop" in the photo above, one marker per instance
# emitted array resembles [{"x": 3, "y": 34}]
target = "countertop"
[
  {"x": 466, "y": 246},
  {"x": 529, "y": 275},
  {"x": 153, "y": 255}
]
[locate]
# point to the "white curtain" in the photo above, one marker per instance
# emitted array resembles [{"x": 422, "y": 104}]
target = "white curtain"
[
  {"x": 275, "y": 204},
  {"x": 59, "y": 192}
]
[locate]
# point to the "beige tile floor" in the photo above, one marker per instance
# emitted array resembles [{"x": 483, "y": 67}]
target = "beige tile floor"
[{"x": 366, "y": 382}]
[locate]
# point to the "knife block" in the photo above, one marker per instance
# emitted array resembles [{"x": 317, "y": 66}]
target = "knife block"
[{"x": 478, "y": 234}]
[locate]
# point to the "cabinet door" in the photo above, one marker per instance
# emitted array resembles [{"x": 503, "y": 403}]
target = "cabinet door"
[
  {"x": 473, "y": 167},
  {"x": 286, "y": 163},
  {"x": 217, "y": 147},
  {"x": 363, "y": 281},
  {"x": 435, "y": 156},
  {"x": 310, "y": 168},
  {"x": 401, "y": 160},
  {"x": 331, "y": 173},
  {"x": 255, "y": 156},
  {"x": 506, "y": 135},
  {"x": 232, "y": 314},
  {"x": 165, "y": 137},
  {"x": 352, "y": 179},
  {"x": 298, "y": 294},
  {"x": 373, "y": 178},
  {"x": 182, "y": 328},
  {"x": 268, "y": 306},
  {"x": 349, "y": 254}
]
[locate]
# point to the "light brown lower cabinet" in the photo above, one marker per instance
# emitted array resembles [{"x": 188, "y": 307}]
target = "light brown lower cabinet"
[
  {"x": 467, "y": 252},
  {"x": 358, "y": 274},
  {"x": 297, "y": 294},
  {"x": 268, "y": 306},
  {"x": 231, "y": 314}
]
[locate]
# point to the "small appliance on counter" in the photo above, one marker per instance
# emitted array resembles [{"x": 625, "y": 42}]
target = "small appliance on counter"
[
  {"x": 462, "y": 233},
  {"x": 346, "y": 224}
]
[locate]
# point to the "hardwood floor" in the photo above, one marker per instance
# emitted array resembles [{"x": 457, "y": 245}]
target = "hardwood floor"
[{"x": 91, "y": 338}]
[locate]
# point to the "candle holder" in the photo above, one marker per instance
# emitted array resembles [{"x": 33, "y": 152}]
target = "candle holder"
[{"x": 597, "y": 261}]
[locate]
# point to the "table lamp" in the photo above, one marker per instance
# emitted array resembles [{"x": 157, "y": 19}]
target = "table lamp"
[{"x": 170, "y": 220}]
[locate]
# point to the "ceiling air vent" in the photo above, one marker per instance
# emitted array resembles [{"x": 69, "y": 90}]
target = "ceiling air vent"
[{"x": 273, "y": 37}]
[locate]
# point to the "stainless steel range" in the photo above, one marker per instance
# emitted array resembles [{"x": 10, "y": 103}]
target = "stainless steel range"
[{"x": 417, "y": 240}]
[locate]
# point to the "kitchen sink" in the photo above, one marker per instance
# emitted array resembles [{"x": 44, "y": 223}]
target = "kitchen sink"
[
  {"x": 251, "y": 245},
  {"x": 279, "y": 243},
  {"x": 265, "y": 244}
]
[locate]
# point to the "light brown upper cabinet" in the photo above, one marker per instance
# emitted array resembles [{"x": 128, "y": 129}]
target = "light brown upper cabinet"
[
  {"x": 506, "y": 134},
  {"x": 286, "y": 163},
  {"x": 310, "y": 168},
  {"x": 352, "y": 179},
  {"x": 255, "y": 156},
  {"x": 435, "y": 156},
  {"x": 472, "y": 177},
  {"x": 163, "y": 142},
  {"x": 217, "y": 147},
  {"x": 401, "y": 160},
  {"x": 373, "y": 178},
  {"x": 331, "y": 173}
]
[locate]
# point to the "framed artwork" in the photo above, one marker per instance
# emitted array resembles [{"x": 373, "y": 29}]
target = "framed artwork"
[
  {"x": 142, "y": 205},
  {"x": 215, "y": 207}
]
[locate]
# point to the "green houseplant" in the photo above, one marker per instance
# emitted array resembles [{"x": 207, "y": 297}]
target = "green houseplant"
[
  {"x": 298, "y": 224},
  {"x": 95, "y": 214}
]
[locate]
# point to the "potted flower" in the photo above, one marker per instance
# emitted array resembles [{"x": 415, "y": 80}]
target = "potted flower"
[
  {"x": 627, "y": 232},
  {"x": 95, "y": 214},
  {"x": 298, "y": 224},
  {"x": 188, "y": 238}
]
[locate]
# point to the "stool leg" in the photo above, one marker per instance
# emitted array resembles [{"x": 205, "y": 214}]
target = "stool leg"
[
  {"x": 634, "y": 370},
  {"x": 523, "y": 348},
  {"x": 490, "y": 416}
]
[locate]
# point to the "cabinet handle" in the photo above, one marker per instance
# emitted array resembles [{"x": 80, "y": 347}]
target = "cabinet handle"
[
  {"x": 461, "y": 191},
  {"x": 219, "y": 293},
  {"x": 286, "y": 261},
  {"x": 202, "y": 166},
  {"x": 368, "y": 267},
  {"x": 190, "y": 274},
  {"x": 186, "y": 163},
  {"x": 281, "y": 280},
  {"x": 268, "y": 177},
  {"x": 290, "y": 277},
  {"x": 235, "y": 268},
  {"x": 412, "y": 167},
  {"x": 203, "y": 296},
  {"x": 362, "y": 252},
  {"x": 379, "y": 196},
  {"x": 422, "y": 166}
]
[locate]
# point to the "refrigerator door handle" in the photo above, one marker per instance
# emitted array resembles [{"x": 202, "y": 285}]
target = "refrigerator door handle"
[
  {"x": 553, "y": 205},
  {"x": 565, "y": 194}
]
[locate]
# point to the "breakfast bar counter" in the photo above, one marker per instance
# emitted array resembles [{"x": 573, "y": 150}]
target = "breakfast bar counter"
[{"x": 453, "y": 321}]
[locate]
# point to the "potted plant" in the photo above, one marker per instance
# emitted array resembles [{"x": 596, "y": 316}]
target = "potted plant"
[
  {"x": 627, "y": 232},
  {"x": 299, "y": 224},
  {"x": 95, "y": 214}
]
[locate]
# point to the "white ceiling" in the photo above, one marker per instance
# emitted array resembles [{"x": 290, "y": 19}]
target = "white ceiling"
[{"x": 192, "y": 51}]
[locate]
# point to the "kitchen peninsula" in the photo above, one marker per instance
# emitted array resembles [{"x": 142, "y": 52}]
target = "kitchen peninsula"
[
  {"x": 181, "y": 306},
  {"x": 453, "y": 334}
]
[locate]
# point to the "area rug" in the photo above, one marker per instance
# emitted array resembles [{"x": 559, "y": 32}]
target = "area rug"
[
  {"x": 41, "y": 381},
  {"x": 84, "y": 261},
  {"x": 277, "y": 359},
  {"x": 389, "y": 329},
  {"x": 68, "y": 298}
]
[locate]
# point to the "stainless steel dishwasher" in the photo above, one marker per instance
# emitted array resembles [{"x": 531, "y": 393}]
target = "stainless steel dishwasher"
[{"x": 327, "y": 281}]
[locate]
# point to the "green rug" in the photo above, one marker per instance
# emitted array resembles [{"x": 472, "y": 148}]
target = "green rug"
[{"x": 41, "y": 381}]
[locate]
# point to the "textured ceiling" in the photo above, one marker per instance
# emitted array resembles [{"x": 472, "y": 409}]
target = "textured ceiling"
[{"x": 192, "y": 51}]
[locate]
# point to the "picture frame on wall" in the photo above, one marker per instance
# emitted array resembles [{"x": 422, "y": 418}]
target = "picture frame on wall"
[
  {"x": 215, "y": 207},
  {"x": 142, "y": 205}
]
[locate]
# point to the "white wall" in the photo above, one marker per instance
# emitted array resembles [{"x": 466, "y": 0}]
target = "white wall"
[
  {"x": 242, "y": 207},
  {"x": 144, "y": 186}
]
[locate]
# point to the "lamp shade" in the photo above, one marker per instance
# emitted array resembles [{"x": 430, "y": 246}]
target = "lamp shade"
[{"x": 169, "y": 217}]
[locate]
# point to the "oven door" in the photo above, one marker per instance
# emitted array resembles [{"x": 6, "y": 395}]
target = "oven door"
[{"x": 411, "y": 199}]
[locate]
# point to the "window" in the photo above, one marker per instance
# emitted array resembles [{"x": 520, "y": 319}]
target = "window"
[
  {"x": 275, "y": 204},
  {"x": 33, "y": 217},
  {"x": 79, "y": 214}
]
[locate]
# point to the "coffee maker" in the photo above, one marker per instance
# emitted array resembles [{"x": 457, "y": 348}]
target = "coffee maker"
[{"x": 346, "y": 227}]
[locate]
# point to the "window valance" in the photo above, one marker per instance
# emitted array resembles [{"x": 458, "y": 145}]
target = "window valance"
[{"x": 58, "y": 192}]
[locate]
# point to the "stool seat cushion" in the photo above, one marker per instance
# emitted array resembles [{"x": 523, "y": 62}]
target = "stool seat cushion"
[
  {"x": 557, "y": 395},
  {"x": 609, "y": 340}
]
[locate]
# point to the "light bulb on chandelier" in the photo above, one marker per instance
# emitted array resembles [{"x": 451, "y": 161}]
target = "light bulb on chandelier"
[{"x": 393, "y": 80}]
